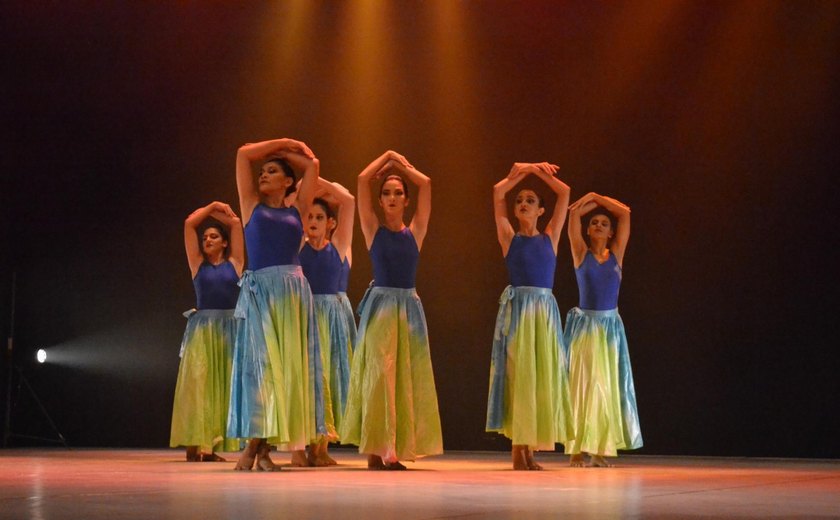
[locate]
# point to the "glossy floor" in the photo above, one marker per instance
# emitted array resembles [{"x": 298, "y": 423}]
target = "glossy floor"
[{"x": 121, "y": 484}]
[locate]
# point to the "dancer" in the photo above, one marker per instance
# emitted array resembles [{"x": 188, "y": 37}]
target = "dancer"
[
  {"x": 600, "y": 376},
  {"x": 529, "y": 394},
  {"x": 392, "y": 411},
  {"x": 199, "y": 411},
  {"x": 276, "y": 382},
  {"x": 322, "y": 258}
]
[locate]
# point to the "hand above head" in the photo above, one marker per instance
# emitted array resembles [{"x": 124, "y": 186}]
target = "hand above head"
[
  {"x": 398, "y": 158},
  {"x": 221, "y": 207},
  {"x": 295, "y": 146},
  {"x": 389, "y": 166}
]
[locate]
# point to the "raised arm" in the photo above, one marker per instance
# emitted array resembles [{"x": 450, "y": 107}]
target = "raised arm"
[
  {"x": 367, "y": 215},
  {"x": 554, "y": 228},
  {"x": 342, "y": 237},
  {"x": 310, "y": 169},
  {"x": 423, "y": 210},
  {"x": 191, "y": 238},
  {"x": 576, "y": 211},
  {"x": 247, "y": 154},
  {"x": 622, "y": 214},
  {"x": 504, "y": 229},
  {"x": 237, "y": 241},
  {"x": 618, "y": 209}
]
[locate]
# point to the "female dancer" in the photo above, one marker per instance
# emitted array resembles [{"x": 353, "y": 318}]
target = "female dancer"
[
  {"x": 529, "y": 393},
  {"x": 276, "y": 381},
  {"x": 322, "y": 258},
  {"x": 600, "y": 376},
  {"x": 199, "y": 413},
  {"x": 392, "y": 411}
]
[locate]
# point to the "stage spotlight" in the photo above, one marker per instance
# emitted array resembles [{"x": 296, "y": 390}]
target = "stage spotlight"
[{"x": 41, "y": 356}]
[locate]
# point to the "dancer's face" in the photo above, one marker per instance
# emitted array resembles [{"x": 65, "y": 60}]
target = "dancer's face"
[
  {"x": 527, "y": 205},
  {"x": 212, "y": 242},
  {"x": 318, "y": 224},
  {"x": 393, "y": 198},
  {"x": 273, "y": 179},
  {"x": 599, "y": 227}
]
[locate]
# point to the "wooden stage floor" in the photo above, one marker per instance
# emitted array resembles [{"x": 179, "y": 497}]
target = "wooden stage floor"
[{"x": 47, "y": 484}]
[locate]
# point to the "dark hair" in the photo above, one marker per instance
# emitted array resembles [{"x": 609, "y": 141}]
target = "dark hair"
[
  {"x": 223, "y": 230},
  {"x": 540, "y": 201},
  {"x": 399, "y": 178},
  {"x": 599, "y": 210},
  {"x": 287, "y": 170},
  {"x": 323, "y": 203}
]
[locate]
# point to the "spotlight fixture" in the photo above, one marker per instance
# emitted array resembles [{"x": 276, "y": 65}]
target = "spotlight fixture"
[{"x": 41, "y": 355}]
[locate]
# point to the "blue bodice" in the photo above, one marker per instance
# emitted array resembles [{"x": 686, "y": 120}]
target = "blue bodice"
[
  {"x": 394, "y": 255},
  {"x": 598, "y": 284},
  {"x": 216, "y": 286},
  {"x": 531, "y": 261},
  {"x": 272, "y": 237}
]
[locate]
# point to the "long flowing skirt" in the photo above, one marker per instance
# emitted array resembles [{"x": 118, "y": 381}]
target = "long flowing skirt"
[
  {"x": 199, "y": 410},
  {"x": 392, "y": 408},
  {"x": 601, "y": 382},
  {"x": 276, "y": 383},
  {"x": 350, "y": 317},
  {"x": 529, "y": 392},
  {"x": 336, "y": 355}
]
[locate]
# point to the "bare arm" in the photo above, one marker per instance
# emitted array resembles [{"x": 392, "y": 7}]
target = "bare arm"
[
  {"x": 367, "y": 215},
  {"x": 578, "y": 245},
  {"x": 247, "y": 154},
  {"x": 191, "y": 238},
  {"x": 554, "y": 228},
  {"x": 311, "y": 168},
  {"x": 237, "y": 241},
  {"x": 420, "y": 222},
  {"x": 619, "y": 210},
  {"x": 622, "y": 235},
  {"x": 343, "y": 236},
  {"x": 504, "y": 229}
]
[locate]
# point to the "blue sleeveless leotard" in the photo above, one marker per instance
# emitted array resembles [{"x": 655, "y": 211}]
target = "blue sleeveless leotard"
[
  {"x": 216, "y": 286},
  {"x": 322, "y": 268},
  {"x": 272, "y": 237},
  {"x": 598, "y": 284},
  {"x": 394, "y": 256},
  {"x": 531, "y": 261}
]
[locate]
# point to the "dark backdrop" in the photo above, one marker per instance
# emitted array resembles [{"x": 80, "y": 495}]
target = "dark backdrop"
[{"x": 717, "y": 122}]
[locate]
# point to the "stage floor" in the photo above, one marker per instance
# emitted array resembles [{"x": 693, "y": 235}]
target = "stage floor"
[{"x": 47, "y": 484}]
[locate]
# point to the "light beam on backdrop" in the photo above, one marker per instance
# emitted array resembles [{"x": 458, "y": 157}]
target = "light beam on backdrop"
[
  {"x": 365, "y": 64},
  {"x": 275, "y": 62},
  {"x": 22, "y": 383}
]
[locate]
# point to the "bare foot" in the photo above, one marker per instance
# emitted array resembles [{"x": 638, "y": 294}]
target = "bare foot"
[
  {"x": 517, "y": 453},
  {"x": 249, "y": 455},
  {"x": 576, "y": 460},
  {"x": 598, "y": 461},
  {"x": 212, "y": 457},
  {"x": 192, "y": 454},
  {"x": 529, "y": 459},
  {"x": 299, "y": 459},
  {"x": 327, "y": 460},
  {"x": 394, "y": 466},
  {"x": 264, "y": 462},
  {"x": 375, "y": 462}
]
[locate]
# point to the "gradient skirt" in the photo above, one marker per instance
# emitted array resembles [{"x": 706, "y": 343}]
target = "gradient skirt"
[
  {"x": 276, "y": 382},
  {"x": 392, "y": 408},
  {"x": 336, "y": 355},
  {"x": 601, "y": 382},
  {"x": 199, "y": 411},
  {"x": 529, "y": 392},
  {"x": 349, "y": 316}
]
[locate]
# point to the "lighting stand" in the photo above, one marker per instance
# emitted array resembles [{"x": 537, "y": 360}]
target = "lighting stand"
[{"x": 22, "y": 381}]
